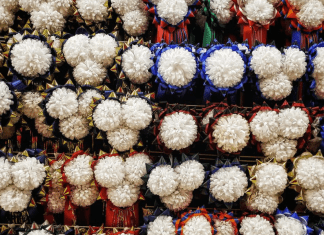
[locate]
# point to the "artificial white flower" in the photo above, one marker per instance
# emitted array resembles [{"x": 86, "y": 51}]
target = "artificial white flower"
[
  {"x": 85, "y": 100},
  {"x": 276, "y": 88},
  {"x": 162, "y": 225},
  {"x": 103, "y": 49},
  {"x": 77, "y": 49},
  {"x": 311, "y": 14},
  {"x": 110, "y": 171},
  {"x": 39, "y": 232},
  {"x": 135, "y": 167},
  {"x": 163, "y": 180},
  {"x": 177, "y": 66},
  {"x": 14, "y": 200},
  {"x": 6, "y": 98},
  {"x": 84, "y": 195},
  {"x": 124, "y": 195},
  {"x": 28, "y": 173},
  {"x": 42, "y": 128},
  {"x": 137, "y": 113},
  {"x": 173, "y": 12},
  {"x": 10, "y": 5},
  {"x": 89, "y": 72},
  {"x": 280, "y": 148},
  {"x": 123, "y": 138},
  {"x": 264, "y": 203},
  {"x": 94, "y": 11},
  {"x": 228, "y": 184},
  {"x": 178, "y": 131},
  {"x": 225, "y": 68},
  {"x": 289, "y": 226},
  {"x": 74, "y": 127},
  {"x": 309, "y": 173},
  {"x": 231, "y": 133},
  {"x": 135, "y": 23},
  {"x": 197, "y": 225},
  {"x": 259, "y": 11},
  {"x": 136, "y": 63},
  {"x": 221, "y": 8},
  {"x": 224, "y": 227},
  {"x": 30, "y": 102},
  {"x": 5, "y": 173},
  {"x": 294, "y": 63},
  {"x": 62, "y": 6},
  {"x": 55, "y": 202},
  {"x": 319, "y": 90},
  {"x": 6, "y": 18},
  {"x": 31, "y": 58},
  {"x": 315, "y": 200},
  {"x": 298, "y": 3},
  {"x": 318, "y": 64},
  {"x": 293, "y": 122},
  {"x": 62, "y": 104},
  {"x": 78, "y": 172},
  {"x": 265, "y": 126},
  {"x": 122, "y": 7},
  {"x": 256, "y": 225},
  {"x": 30, "y": 5},
  {"x": 191, "y": 175},
  {"x": 107, "y": 115},
  {"x": 178, "y": 200}
]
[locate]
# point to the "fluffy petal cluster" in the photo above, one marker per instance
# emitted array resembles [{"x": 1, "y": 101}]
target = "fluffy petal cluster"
[
  {"x": 191, "y": 175},
  {"x": 46, "y": 17},
  {"x": 177, "y": 66},
  {"x": 110, "y": 171},
  {"x": 6, "y": 19},
  {"x": 137, "y": 113},
  {"x": 318, "y": 73},
  {"x": 315, "y": 200},
  {"x": 225, "y": 68},
  {"x": 31, "y": 58},
  {"x": 228, "y": 184},
  {"x": 264, "y": 203},
  {"x": 178, "y": 131},
  {"x": 85, "y": 100},
  {"x": 163, "y": 180},
  {"x": 30, "y": 102},
  {"x": 281, "y": 148},
  {"x": 5, "y": 173},
  {"x": 135, "y": 23},
  {"x": 256, "y": 225},
  {"x": 55, "y": 203},
  {"x": 197, "y": 225},
  {"x": 74, "y": 127},
  {"x": 124, "y": 195},
  {"x": 14, "y": 200},
  {"x": 231, "y": 133},
  {"x": 42, "y": 128},
  {"x": 62, "y": 104},
  {"x": 39, "y": 232},
  {"x": 271, "y": 178},
  {"x": 135, "y": 167},
  {"x": 136, "y": 64},
  {"x": 28, "y": 174},
  {"x": 293, "y": 122},
  {"x": 161, "y": 225},
  {"x": 298, "y": 3},
  {"x": 294, "y": 63},
  {"x": 89, "y": 72},
  {"x": 309, "y": 173},
  {"x": 84, "y": 195},
  {"x": 224, "y": 227},
  {"x": 123, "y": 138},
  {"x": 10, "y": 5},
  {"x": 107, "y": 115},
  {"x": 30, "y": 5},
  {"x": 276, "y": 88},
  {"x": 62, "y": 6},
  {"x": 122, "y": 7},
  {"x": 6, "y": 98},
  {"x": 78, "y": 172},
  {"x": 77, "y": 49},
  {"x": 289, "y": 226},
  {"x": 94, "y": 11},
  {"x": 173, "y": 12},
  {"x": 311, "y": 14},
  {"x": 265, "y": 126},
  {"x": 259, "y": 11},
  {"x": 222, "y": 10},
  {"x": 178, "y": 200}
]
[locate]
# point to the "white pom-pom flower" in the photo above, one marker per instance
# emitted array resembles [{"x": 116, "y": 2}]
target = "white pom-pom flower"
[
  {"x": 14, "y": 200},
  {"x": 135, "y": 23},
  {"x": 294, "y": 63},
  {"x": 103, "y": 48},
  {"x": 293, "y": 122},
  {"x": 6, "y": 98},
  {"x": 84, "y": 195},
  {"x": 222, "y": 10},
  {"x": 135, "y": 167},
  {"x": 228, "y": 184},
  {"x": 319, "y": 90},
  {"x": 309, "y": 173},
  {"x": 256, "y": 225},
  {"x": 173, "y": 12},
  {"x": 107, "y": 115},
  {"x": 55, "y": 202},
  {"x": 231, "y": 133},
  {"x": 197, "y": 225},
  {"x": 5, "y": 173},
  {"x": 264, "y": 203},
  {"x": 178, "y": 200},
  {"x": 89, "y": 72},
  {"x": 62, "y": 6},
  {"x": 124, "y": 195},
  {"x": 225, "y": 68},
  {"x": 122, "y": 7},
  {"x": 28, "y": 173},
  {"x": 136, "y": 64},
  {"x": 78, "y": 172},
  {"x": 85, "y": 100},
  {"x": 123, "y": 139},
  {"x": 94, "y": 11},
  {"x": 30, "y": 5},
  {"x": 161, "y": 225},
  {"x": 178, "y": 131},
  {"x": 137, "y": 113},
  {"x": 318, "y": 64},
  {"x": 298, "y": 3},
  {"x": 224, "y": 227},
  {"x": 46, "y": 17},
  {"x": 42, "y": 128},
  {"x": 259, "y": 11},
  {"x": 311, "y": 14},
  {"x": 289, "y": 226},
  {"x": 163, "y": 180},
  {"x": 265, "y": 126},
  {"x": 276, "y": 88},
  {"x": 191, "y": 175},
  {"x": 110, "y": 171},
  {"x": 30, "y": 102},
  {"x": 77, "y": 49},
  {"x": 62, "y": 104},
  {"x": 281, "y": 148},
  {"x": 74, "y": 127},
  {"x": 266, "y": 61},
  {"x": 6, "y": 18},
  {"x": 31, "y": 58},
  {"x": 10, "y": 5},
  {"x": 315, "y": 200},
  {"x": 177, "y": 66}
]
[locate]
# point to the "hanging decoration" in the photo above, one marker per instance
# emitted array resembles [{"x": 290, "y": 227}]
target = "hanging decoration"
[{"x": 256, "y": 224}]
